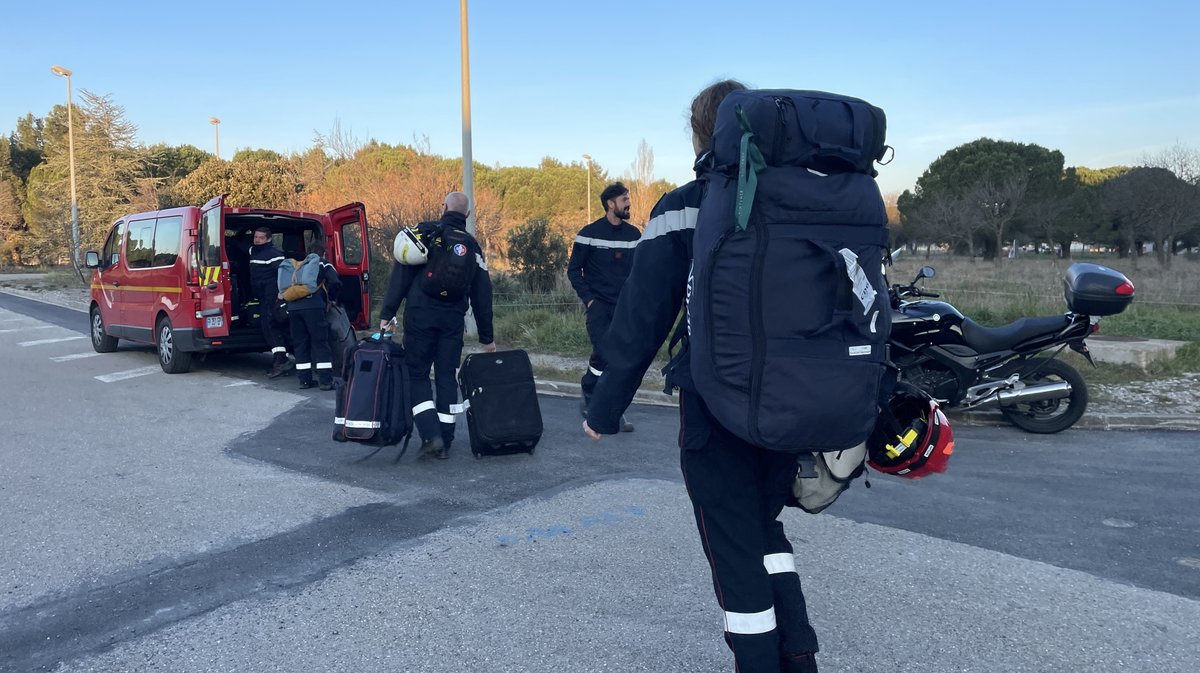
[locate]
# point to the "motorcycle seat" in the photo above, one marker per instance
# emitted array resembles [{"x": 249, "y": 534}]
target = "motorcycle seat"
[{"x": 994, "y": 339}]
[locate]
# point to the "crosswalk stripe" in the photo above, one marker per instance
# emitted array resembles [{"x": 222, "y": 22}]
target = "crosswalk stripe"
[
  {"x": 39, "y": 342},
  {"x": 127, "y": 374},
  {"x": 25, "y": 329},
  {"x": 73, "y": 356}
]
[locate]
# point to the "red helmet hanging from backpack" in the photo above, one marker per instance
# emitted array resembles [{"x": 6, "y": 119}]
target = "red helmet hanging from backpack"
[{"x": 912, "y": 437}]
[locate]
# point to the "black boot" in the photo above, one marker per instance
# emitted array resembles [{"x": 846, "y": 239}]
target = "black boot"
[
  {"x": 282, "y": 365},
  {"x": 798, "y": 663}
]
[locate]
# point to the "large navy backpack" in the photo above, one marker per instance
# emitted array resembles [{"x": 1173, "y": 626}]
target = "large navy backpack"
[{"x": 788, "y": 313}]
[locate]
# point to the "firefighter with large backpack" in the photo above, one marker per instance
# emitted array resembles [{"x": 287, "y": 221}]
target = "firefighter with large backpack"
[
  {"x": 439, "y": 273},
  {"x": 776, "y": 249}
]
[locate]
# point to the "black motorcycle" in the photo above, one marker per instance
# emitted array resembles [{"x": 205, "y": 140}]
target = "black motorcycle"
[{"x": 967, "y": 366}]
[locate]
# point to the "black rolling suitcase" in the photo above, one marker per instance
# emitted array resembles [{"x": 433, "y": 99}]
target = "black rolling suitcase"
[
  {"x": 501, "y": 403},
  {"x": 372, "y": 401}
]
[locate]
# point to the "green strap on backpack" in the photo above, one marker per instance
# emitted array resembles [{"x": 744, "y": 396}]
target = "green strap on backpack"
[{"x": 750, "y": 164}]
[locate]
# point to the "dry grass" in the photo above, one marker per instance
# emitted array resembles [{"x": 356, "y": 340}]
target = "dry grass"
[{"x": 1167, "y": 305}]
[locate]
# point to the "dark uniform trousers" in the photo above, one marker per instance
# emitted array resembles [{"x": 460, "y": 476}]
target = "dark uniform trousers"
[
  {"x": 310, "y": 339},
  {"x": 738, "y": 491},
  {"x": 599, "y": 317},
  {"x": 433, "y": 338},
  {"x": 270, "y": 328}
]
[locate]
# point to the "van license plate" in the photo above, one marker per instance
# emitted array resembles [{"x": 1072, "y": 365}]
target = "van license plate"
[{"x": 214, "y": 321}]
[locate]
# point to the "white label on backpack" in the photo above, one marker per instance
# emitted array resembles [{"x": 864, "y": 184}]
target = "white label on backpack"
[
  {"x": 862, "y": 286},
  {"x": 859, "y": 350}
]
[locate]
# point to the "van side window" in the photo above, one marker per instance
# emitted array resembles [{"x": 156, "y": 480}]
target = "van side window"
[
  {"x": 139, "y": 252},
  {"x": 352, "y": 245},
  {"x": 166, "y": 240},
  {"x": 112, "y": 246},
  {"x": 210, "y": 238}
]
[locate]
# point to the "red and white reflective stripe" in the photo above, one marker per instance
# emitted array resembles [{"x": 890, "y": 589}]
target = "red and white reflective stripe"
[
  {"x": 750, "y": 623},
  {"x": 427, "y": 405},
  {"x": 324, "y": 365},
  {"x": 446, "y": 418},
  {"x": 362, "y": 424},
  {"x": 779, "y": 563},
  {"x": 303, "y": 365}
]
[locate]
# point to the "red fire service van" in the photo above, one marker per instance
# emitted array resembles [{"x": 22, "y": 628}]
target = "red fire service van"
[{"x": 180, "y": 278}]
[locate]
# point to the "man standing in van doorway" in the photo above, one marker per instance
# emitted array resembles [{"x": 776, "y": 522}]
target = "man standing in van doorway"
[
  {"x": 600, "y": 262},
  {"x": 264, "y": 265}
]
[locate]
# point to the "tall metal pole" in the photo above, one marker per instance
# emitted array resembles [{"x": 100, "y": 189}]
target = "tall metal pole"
[
  {"x": 468, "y": 162},
  {"x": 217, "y": 133},
  {"x": 63, "y": 72}
]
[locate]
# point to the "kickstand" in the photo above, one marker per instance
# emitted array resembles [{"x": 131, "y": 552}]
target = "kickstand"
[{"x": 403, "y": 448}]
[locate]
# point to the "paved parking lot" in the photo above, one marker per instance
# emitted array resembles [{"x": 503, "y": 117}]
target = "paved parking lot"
[{"x": 205, "y": 522}]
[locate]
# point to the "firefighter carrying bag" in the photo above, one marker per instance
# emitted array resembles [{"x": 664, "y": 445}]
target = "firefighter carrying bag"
[
  {"x": 787, "y": 308},
  {"x": 298, "y": 279},
  {"x": 372, "y": 403},
  {"x": 452, "y": 263}
]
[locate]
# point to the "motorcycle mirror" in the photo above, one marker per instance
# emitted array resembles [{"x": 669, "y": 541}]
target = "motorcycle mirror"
[{"x": 927, "y": 272}]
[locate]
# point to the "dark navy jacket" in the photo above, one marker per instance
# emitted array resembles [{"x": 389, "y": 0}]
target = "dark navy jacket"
[
  {"x": 404, "y": 282},
  {"x": 264, "y": 267},
  {"x": 601, "y": 259},
  {"x": 650, "y": 303}
]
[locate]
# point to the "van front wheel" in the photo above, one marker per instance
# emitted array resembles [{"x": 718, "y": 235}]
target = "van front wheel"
[
  {"x": 101, "y": 342},
  {"x": 172, "y": 360}
]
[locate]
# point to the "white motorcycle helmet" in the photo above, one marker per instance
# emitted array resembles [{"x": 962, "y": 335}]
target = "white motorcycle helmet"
[{"x": 408, "y": 248}]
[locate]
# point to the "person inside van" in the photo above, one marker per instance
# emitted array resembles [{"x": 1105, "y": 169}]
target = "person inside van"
[{"x": 264, "y": 266}]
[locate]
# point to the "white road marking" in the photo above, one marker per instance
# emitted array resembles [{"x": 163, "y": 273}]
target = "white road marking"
[
  {"x": 128, "y": 374},
  {"x": 24, "y": 329},
  {"x": 39, "y": 342},
  {"x": 20, "y": 319},
  {"x": 73, "y": 356},
  {"x": 239, "y": 383}
]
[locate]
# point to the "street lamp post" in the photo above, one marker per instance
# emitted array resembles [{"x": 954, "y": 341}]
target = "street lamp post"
[
  {"x": 468, "y": 162},
  {"x": 63, "y": 72},
  {"x": 217, "y": 133},
  {"x": 589, "y": 191}
]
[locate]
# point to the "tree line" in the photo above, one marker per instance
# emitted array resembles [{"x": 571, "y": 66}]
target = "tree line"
[
  {"x": 974, "y": 199},
  {"x": 978, "y": 197},
  {"x": 400, "y": 185}
]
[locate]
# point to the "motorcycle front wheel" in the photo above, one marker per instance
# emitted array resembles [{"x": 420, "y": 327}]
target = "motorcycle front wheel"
[{"x": 1049, "y": 416}]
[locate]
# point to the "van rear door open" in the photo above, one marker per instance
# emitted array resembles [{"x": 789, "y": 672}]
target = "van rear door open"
[
  {"x": 213, "y": 288},
  {"x": 349, "y": 256}
]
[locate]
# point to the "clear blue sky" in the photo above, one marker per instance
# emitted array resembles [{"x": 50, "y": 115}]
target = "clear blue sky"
[{"x": 1105, "y": 82}]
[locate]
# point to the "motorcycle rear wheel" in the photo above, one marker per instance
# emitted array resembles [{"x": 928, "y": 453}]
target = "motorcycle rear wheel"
[{"x": 1049, "y": 416}]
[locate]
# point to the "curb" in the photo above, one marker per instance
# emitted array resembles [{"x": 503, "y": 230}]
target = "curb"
[{"x": 1090, "y": 421}]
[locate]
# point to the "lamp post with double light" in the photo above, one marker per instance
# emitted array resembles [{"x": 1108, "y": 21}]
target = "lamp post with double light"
[{"x": 63, "y": 72}]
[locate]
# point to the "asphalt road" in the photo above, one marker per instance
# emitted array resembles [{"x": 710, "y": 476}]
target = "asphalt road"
[{"x": 206, "y": 522}]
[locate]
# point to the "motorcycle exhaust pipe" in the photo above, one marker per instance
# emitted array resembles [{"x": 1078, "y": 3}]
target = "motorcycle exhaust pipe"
[{"x": 1004, "y": 398}]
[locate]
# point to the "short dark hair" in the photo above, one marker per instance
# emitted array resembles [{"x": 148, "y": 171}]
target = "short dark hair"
[
  {"x": 265, "y": 230},
  {"x": 704, "y": 108},
  {"x": 611, "y": 192}
]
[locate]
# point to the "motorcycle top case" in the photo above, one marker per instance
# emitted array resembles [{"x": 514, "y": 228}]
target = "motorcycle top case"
[
  {"x": 1091, "y": 289},
  {"x": 503, "y": 415},
  {"x": 788, "y": 311},
  {"x": 372, "y": 404}
]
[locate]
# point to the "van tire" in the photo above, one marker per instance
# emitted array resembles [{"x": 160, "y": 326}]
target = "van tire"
[
  {"x": 170, "y": 358},
  {"x": 101, "y": 341}
]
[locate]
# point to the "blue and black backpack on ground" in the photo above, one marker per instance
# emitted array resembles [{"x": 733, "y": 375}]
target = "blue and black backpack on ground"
[
  {"x": 451, "y": 266},
  {"x": 788, "y": 312}
]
